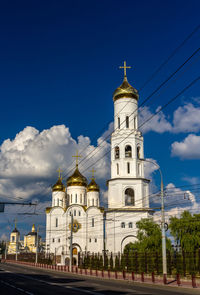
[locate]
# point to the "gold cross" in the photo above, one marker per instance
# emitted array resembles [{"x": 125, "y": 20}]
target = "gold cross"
[
  {"x": 124, "y": 67},
  {"x": 93, "y": 173},
  {"x": 59, "y": 173},
  {"x": 76, "y": 156}
]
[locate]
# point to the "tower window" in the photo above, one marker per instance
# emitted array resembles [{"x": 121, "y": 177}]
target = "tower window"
[
  {"x": 71, "y": 198},
  {"x": 57, "y": 202},
  {"x": 79, "y": 213},
  {"x": 123, "y": 225},
  {"x": 53, "y": 240},
  {"x": 76, "y": 198},
  {"x": 116, "y": 152},
  {"x": 117, "y": 169},
  {"x": 92, "y": 222},
  {"x": 138, "y": 152},
  {"x": 88, "y": 203},
  {"x": 128, "y": 151},
  {"x": 95, "y": 240},
  {"x": 81, "y": 198},
  {"x": 128, "y": 168},
  {"x": 118, "y": 122},
  {"x": 97, "y": 202},
  {"x": 127, "y": 121},
  {"x": 56, "y": 222},
  {"x": 90, "y": 240},
  {"x": 129, "y": 197},
  {"x": 74, "y": 212},
  {"x": 85, "y": 199},
  {"x": 59, "y": 240},
  {"x": 130, "y": 225},
  {"x": 92, "y": 202},
  {"x": 13, "y": 239}
]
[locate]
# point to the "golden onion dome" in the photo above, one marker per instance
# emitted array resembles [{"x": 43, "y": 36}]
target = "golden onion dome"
[
  {"x": 125, "y": 90},
  {"x": 77, "y": 179},
  {"x": 93, "y": 186},
  {"x": 58, "y": 186}
]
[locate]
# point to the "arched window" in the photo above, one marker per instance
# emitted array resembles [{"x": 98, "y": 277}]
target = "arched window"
[
  {"x": 74, "y": 212},
  {"x": 81, "y": 198},
  {"x": 92, "y": 202},
  {"x": 128, "y": 167},
  {"x": 128, "y": 151},
  {"x": 92, "y": 222},
  {"x": 116, "y": 152},
  {"x": 59, "y": 240},
  {"x": 118, "y": 122},
  {"x": 97, "y": 203},
  {"x": 71, "y": 198},
  {"x": 85, "y": 199},
  {"x": 76, "y": 198},
  {"x": 79, "y": 213},
  {"x": 130, "y": 225},
  {"x": 127, "y": 121},
  {"x": 123, "y": 225},
  {"x": 138, "y": 152},
  {"x": 57, "y": 202},
  {"x": 117, "y": 169},
  {"x": 129, "y": 197}
]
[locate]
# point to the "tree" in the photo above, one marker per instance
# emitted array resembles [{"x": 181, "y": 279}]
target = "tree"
[
  {"x": 186, "y": 231},
  {"x": 149, "y": 237}
]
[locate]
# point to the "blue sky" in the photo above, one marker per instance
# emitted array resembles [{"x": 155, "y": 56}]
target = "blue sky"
[{"x": 59, "y": 66}]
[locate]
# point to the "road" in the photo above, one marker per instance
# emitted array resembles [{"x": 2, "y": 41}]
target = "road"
[{"x": 18, "y": 280}]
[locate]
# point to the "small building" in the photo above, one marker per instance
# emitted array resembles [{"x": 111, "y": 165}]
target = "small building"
[{"x": 30, "y": 241}]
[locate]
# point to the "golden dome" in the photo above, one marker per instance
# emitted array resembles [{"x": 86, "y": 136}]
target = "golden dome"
[
  {"x": 76, "y": 179},
  {"x": 93, "y": 186},
  {"x": 58, "y": 186},
  {"x": 125, "y": 90}
]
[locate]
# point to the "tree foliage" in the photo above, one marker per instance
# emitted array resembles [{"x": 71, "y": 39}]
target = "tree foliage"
[
  {"x": 149, "y": 237},
  {"x": 186, "y": 231}
]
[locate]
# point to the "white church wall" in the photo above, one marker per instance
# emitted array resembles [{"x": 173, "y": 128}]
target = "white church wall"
[
  {"x": 94, "y": 230},
  {"x": 77, "y": 195}
]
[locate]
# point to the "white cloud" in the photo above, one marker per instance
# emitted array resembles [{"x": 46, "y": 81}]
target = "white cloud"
[
  {"x": 176, "y": 202},
  {"x": 157, "y": 124},
  {"x": 188, "y": 148},
  {"x": 28, "y": 163},
  {"x": 186, "y": 119}
]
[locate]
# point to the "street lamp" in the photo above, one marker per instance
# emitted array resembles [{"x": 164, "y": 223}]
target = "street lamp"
[{"x": 164, "y": 256}]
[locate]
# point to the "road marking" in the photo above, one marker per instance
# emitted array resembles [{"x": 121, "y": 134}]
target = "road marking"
[{"x": 14, "y": 287}]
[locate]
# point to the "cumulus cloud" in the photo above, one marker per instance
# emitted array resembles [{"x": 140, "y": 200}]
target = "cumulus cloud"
[
  {"x": 176, "y": 202},
  {"x": 28, "y": 163},
  {"x": 188, "y": 148},
  {"x": 158, "y": 123},
  {"x": 186, "y": 119}
]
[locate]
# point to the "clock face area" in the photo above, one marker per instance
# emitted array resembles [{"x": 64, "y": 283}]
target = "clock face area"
[{"x": 75, "y": 227}]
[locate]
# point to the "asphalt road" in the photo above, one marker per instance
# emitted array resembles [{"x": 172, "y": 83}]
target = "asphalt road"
[{"x": 18, "y": 279}]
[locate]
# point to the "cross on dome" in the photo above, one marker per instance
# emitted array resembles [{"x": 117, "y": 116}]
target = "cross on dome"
[
  {"x": 59, "y": 173},
  {"x": 124, "y": 67},
  {"x": 77, "y": 156},
  {"x": 92, "y": 173}
]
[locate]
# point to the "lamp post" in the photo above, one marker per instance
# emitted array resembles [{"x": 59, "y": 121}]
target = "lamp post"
[{"x": 164, "y": 256}]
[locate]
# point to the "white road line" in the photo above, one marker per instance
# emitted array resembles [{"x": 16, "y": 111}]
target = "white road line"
[{"x": 14, "y": 287}]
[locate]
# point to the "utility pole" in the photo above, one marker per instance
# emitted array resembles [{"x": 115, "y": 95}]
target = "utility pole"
[
  {"x": 71, "y": 243},
  {"x": 6, "y": 251},
  {"x": 164, "y": 255},
  {"x": 16, "y": 248},
  {"x": 37, "y": 238}
]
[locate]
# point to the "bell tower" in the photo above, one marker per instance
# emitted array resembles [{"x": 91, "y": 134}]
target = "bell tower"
[{"x": 127, "y": 186}]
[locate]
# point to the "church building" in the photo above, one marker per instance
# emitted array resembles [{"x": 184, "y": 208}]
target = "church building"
[{"x": 76, "y": 207}]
